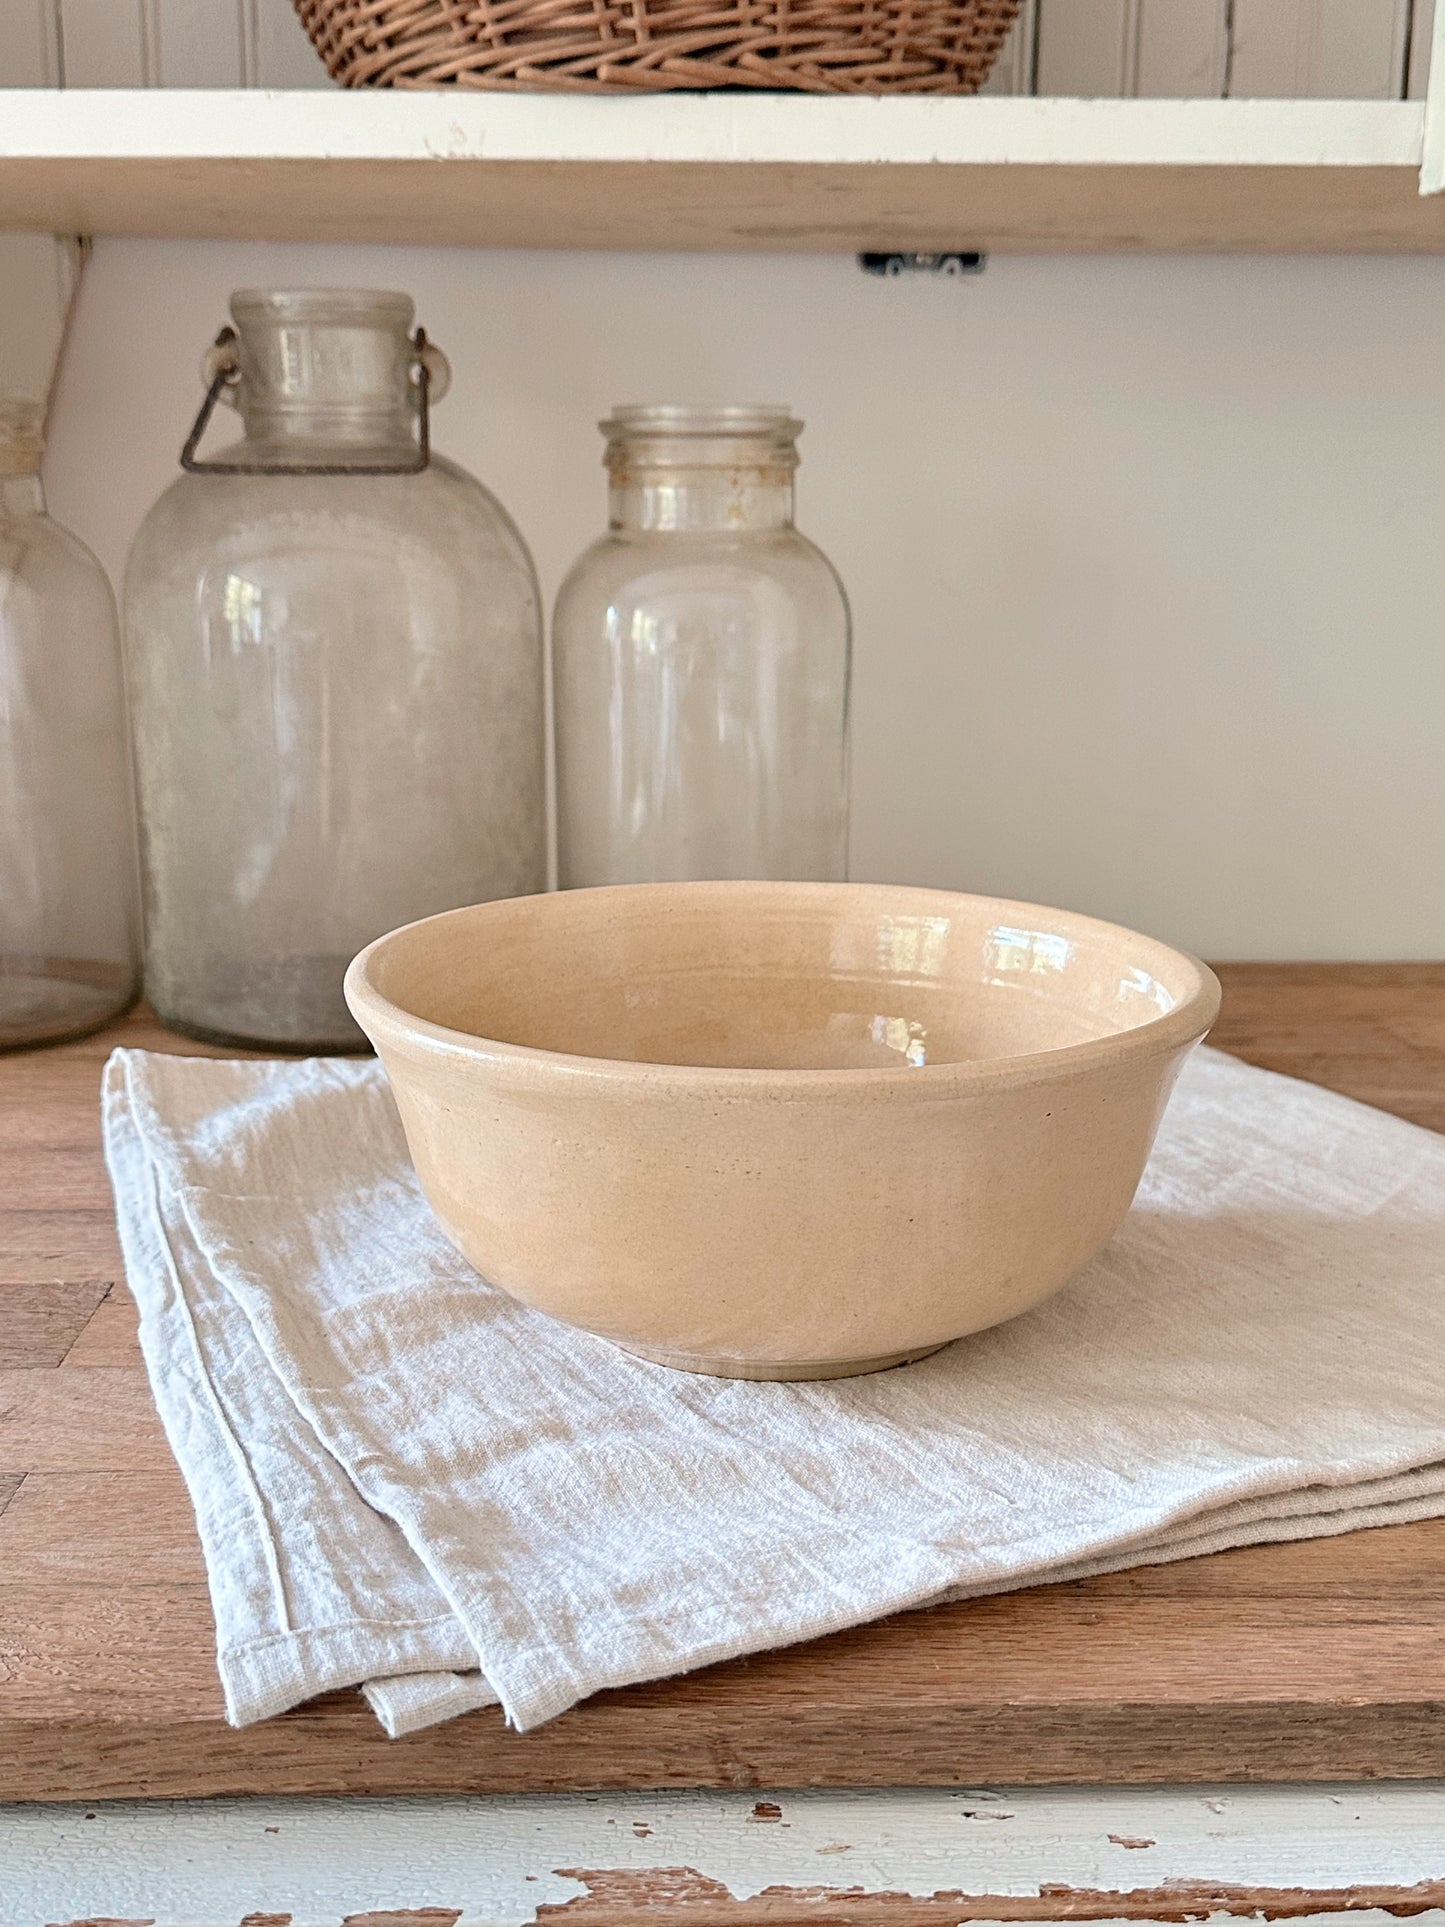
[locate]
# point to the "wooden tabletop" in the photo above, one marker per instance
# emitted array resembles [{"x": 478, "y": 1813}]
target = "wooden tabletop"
[{"x": 1323, "y": 1660}]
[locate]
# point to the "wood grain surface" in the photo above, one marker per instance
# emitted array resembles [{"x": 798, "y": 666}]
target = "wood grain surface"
[
  {"x": 723, "y": 171},
  {"x": 1322, "y": 1660}
]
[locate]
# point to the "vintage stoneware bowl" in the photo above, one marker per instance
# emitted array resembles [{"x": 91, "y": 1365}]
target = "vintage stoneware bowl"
[{"x": 778, "y": 1130}]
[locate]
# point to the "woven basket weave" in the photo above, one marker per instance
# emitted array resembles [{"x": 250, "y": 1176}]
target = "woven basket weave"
[{"x": 652, "y": 46}]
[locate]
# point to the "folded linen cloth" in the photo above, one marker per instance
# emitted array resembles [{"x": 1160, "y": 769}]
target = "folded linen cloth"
[{"x": 406, "y": 1480}]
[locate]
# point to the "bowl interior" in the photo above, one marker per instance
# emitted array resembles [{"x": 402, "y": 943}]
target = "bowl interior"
[{"x": 779, "y": 976}]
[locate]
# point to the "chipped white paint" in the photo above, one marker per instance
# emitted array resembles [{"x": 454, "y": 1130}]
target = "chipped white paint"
[{"x": 205, "y": 1864}]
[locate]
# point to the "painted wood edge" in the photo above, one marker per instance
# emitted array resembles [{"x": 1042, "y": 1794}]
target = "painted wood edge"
[
  {"x": 899, "y": 1857},
  {"x": 258, "y": 125},
  {"x": 1432, "y": 163}
]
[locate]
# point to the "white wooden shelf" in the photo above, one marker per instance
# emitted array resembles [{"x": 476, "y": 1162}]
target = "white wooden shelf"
[{"x": 722, "y": 171}]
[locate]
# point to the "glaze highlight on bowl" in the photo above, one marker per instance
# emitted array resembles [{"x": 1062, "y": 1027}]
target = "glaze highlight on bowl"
[{"x": 778, "y": 1130}]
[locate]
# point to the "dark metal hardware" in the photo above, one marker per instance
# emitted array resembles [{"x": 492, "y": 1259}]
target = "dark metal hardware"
[{"x": 894, "y": 264}]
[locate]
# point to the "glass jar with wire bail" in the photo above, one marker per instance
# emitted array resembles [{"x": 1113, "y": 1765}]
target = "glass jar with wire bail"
[
  {"x": 335, "y": 657},
  {"x": 68, "y": 912},
  {"x": 701, "y": 664}
]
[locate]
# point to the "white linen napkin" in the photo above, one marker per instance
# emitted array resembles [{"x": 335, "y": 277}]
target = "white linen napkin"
[{"x": 406, "y": 1480}]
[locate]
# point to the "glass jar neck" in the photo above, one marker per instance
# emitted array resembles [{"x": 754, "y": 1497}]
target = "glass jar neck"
[
  {"x": 737, "y": 501},
  {"x": 22, "y": 448},
  {"x": 324, "y": 370},
  {"x": 20, "y": 495},
  {"x": 316, "y": 432},
  {"x": 725, "y": 470}
]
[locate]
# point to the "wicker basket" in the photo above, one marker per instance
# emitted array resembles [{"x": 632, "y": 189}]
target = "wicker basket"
[{"x": 652, "y": 46}]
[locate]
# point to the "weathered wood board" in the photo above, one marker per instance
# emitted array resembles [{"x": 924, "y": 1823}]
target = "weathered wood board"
[{"x": 1314, "y": 1661}]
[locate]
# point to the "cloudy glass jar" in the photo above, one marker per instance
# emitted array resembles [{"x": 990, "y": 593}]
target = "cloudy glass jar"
[
  {"x": 701, "y": 664},
  {"x": 68, "y": 911},
  {"x": 335, "y": 657}
]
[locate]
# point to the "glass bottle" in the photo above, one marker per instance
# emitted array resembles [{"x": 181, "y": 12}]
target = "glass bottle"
[
  {"x": 335, "y": 662},
  {"x": 700, "y": 664},
  {"x": 68, "y": 913}
]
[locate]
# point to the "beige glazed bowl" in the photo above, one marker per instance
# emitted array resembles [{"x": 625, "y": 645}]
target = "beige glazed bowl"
[{"x": 778, "y": 1130}]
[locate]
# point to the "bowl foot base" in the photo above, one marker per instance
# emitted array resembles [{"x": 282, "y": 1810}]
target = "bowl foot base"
[{"x": 766, "y": 1369}]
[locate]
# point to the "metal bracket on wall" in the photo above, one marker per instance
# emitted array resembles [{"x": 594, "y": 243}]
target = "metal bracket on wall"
[{"x": 893, "y": 264}]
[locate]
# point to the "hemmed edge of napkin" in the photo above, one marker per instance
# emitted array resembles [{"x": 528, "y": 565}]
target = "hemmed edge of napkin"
[
  {"x": 411, "y": 1701},
  {"x": 259, "y": 1679},
  {"x": 272, "y": 1672}
]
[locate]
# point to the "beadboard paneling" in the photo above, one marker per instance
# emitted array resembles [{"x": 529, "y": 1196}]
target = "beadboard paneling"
[
  {"x": 29, "y": 43},
  {"x": 1183, "y": 49},
  {"x": 1087, "y": 47},
  {"x": 1319, "y": 49},
  {"x": 1422, "y": 27},
  {"x": 110, "y": 43},
  {"x": 1309, "y": 49},
  {"x": 156, "y": 43},
  {"x": 282, "y": 55},
  {"x": 197, "y": 43},
  {"x": 1013, "y": 71}
]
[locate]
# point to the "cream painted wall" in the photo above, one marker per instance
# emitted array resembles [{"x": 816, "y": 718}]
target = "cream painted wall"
[{"x": 1145, "y": 554}]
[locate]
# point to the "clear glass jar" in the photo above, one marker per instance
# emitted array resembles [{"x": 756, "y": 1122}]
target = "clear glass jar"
[
  {"x": 336, "y": 680},
  {"x": 68, "y": 914},
  {"x": 700, "y": 656}
]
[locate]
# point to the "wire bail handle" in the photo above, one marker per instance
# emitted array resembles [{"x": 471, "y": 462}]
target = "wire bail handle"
[{"x": 221, "y": 371}]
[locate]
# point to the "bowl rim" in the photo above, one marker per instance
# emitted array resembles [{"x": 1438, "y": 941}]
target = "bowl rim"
[{"x": 390, "y": 1026}]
